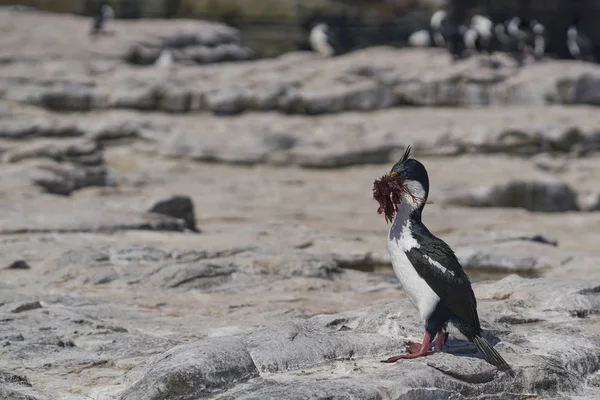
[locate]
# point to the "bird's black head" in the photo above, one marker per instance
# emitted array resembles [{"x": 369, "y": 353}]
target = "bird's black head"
[{"x": 413, "y": 174}]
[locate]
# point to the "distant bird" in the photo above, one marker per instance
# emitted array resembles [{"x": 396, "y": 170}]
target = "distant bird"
[
  {"x": 505, "y": 42},
  {"x": 420, "y": 38},
  {"x": 520, "y": 32},
  {"x": 580, "y": 45},
  {"x": 321, "y": 41},
  {"x": 456, "y": 42},
  {"x": 483, "y": 25},
  {"x": 539, "y": 40},
  {"x": 104, "y": 14},
  {"x": 470, "y": 37},
  {"x": 482, "y": 35},
  {"x": 514, "y": 28},
  {"x": 435, "y": 23},
  {"x": 165, "y": 59},
  {"x": 429, "y": 271}
]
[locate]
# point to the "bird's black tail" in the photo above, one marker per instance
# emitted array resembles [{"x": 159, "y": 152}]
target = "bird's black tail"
[{"x": 491, "y": 355}]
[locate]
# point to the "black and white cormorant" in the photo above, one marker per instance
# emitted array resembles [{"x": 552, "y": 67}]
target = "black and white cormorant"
[
  {"x": 505, "y": 42},
  {"x": 435, "y": 24},
  {"x": 429, "y": 271},
  {"x": 478, "y": 36},
  {"x": 470, "y": 38},
  {"x": 321, "y": 41},
  {"x": 529, "y": 36},
  {"x": 518, "y": 31},
  {"x": 484, "y": 28},
  {"x": 539, "y": 40},
  {"x": 104, "y": 14},
  {"x": 580, "y": 45}
]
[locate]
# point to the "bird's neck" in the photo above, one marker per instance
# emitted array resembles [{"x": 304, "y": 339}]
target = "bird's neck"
[
  {"x": 406, "y": 219},
  {"x": 408, "y": 211}
]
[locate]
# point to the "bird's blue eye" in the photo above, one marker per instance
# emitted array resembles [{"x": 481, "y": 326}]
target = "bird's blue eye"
[{"x": 403, "y": 174}]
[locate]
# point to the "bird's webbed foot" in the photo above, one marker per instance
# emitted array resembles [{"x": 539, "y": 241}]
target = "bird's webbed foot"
[{"x": 414, "y": 349}]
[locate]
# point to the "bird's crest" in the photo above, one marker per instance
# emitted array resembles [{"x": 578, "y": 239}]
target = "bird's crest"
[{"x": 406, "y": 154}]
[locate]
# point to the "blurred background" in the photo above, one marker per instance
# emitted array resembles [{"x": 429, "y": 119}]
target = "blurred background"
[
  {"x": 190, "y": 168},
  {"x": 273, "y": 27}
]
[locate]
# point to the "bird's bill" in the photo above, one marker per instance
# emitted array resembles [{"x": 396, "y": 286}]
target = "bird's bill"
[{"x": 393, "y": 174}]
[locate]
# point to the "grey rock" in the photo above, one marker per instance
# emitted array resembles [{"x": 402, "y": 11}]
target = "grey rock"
[
  {"x": 58, "y": 150},
  {"x": 591, "y": 202},
  {"x": 27, "y": 307},
  {"x": 173, "y": 99},
  {"x": 203, "y": 275},
  {"x": 24, "y": 126},
  {"x": 292, "y": 347},
  {"x": 101, "y": 130},
  {"x": 65, "y": 178},
  {"x": 10, "y": 378},
  {"x": 367, "y": 96},
  {"x": 543, "y": 194},
  {"x": 228, "y": 101},
  {"x": 180, "y": 207},
  {"x": 562, "y": 140},
  {"x": 66, "y": 97},
  {"x": 587, "y": 90},
  {"x": 219, "y": 53},
  {"x": 295, "y": 83},
  {"x": 195, "y": 370},
  {"x": 131, "y": 36},
  {"x": 526, "y": 256},
  {"x": 18, "y": 128},
  {"x": 134, "y": 95},
  {"x": 341, "y": 156},
  {"x": 594, "y": 380},
  {"x": 548, "y": 164},
  {"x": 17, "y": 394},
  {"x": 62, "y": 166},
  {"x": 204, "y": 271},
  {"x": 46, "y": 213},
  {"x": 354, "y": 138},
  {"x": 320, "y": 102},
  {"x": 19, "y": 264},
  {"x": 313, "y": 358},
  {"x": 269, "y": 97},
  {"x": 340, "y": 389}
]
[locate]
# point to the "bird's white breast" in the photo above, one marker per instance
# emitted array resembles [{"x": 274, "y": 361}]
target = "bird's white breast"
[
  {"x": 401, "y": 240},
  {"x": 419, "y": 38},
  {"x": 319, "y": 41}
]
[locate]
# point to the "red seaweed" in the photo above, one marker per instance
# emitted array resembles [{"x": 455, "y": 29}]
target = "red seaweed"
[{"x": 387, "y": 191}]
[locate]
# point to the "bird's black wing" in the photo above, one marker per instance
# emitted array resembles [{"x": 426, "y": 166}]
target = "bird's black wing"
[{"x": 437, "y": 264}]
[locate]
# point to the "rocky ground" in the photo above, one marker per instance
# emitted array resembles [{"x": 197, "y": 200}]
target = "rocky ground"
[{"x": 155, "y": 250}]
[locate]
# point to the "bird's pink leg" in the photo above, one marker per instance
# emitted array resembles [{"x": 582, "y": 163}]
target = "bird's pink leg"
[
  {"x": 421, "y": 351},
  {"x": 440, "y": 339}
]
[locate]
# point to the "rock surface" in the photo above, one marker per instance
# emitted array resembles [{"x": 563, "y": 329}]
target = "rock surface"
[
  {"x": 136, "y": 41},
  {"x": 545, "y": 194},
  {"x": 180, "y": 207},
  {"x": 298, "y": 359},
  {"x": 78, "y": 142},
  {"x": 295, "y": 83}
]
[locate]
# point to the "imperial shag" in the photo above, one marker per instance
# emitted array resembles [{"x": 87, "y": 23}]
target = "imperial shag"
[
  {"x": 321, "y": 41},
  {"x": 104, "y": 14},
  {"x": 429, "y": 271}
]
